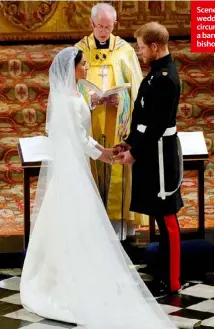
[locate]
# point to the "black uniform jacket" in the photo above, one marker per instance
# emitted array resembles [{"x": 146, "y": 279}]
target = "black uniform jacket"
[{"x": 155, "y": 107}]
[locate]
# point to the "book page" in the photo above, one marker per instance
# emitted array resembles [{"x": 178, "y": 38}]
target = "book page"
[
  {"x": 92, "y": 86},
  {"x": 35, "y": 149},
  {"x": 116, "y": 89},
  {"x": 108, "y": 92},
  {"x": 193, "y": 143}
]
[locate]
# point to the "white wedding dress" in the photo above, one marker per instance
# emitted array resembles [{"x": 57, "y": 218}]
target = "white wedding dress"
[
  {"x": 83, "y": 129},
  {"x": 75, "y": 268}
]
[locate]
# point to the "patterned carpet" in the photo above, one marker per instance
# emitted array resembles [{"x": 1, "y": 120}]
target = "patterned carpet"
[{"x": 23, "y": 96}]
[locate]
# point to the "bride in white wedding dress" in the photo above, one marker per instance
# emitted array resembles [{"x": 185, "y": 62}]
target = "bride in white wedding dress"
[{"x": 75, "y": 269}]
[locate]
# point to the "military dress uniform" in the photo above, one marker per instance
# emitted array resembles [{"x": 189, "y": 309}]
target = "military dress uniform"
[{"x": 157, "y": 170}]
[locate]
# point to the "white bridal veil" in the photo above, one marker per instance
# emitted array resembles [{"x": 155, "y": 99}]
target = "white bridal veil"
[{"x": 75, "y": 268}]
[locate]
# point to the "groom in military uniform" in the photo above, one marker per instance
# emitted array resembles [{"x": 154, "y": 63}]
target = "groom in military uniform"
[{"x": 153, "y": 149}]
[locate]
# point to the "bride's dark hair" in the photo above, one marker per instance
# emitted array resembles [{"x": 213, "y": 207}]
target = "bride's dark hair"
[{"x": 78, "y": 57}]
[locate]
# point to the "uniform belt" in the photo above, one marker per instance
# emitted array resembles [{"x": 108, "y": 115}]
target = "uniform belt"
[{"x": 168, "y": 132}]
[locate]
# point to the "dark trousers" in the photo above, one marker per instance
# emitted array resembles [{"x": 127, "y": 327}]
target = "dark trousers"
[{"x": 169, "y": 251}]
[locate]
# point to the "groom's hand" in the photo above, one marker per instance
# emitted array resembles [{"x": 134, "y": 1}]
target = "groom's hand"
[
  {"x": 122, "y": 147},
  {"x": 128, "y": 158},
  {"x": 119, "y": 157},
  {"x": 125, "y": 158},
  {"x": 109, "y": 151}
]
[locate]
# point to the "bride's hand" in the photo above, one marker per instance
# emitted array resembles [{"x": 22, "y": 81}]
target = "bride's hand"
[
  {"x": 109, "y": 159},
  {"x": 108, "y": 154},
  {"x": 105, "y": 158},
  {"x": 110, "y": 151}
]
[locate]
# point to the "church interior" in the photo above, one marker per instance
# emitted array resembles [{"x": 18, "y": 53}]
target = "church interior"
[{"x": 31, "y": 34}]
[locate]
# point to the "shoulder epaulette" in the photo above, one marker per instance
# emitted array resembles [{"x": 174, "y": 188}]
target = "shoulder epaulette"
[{"x": 162, "y": 72}]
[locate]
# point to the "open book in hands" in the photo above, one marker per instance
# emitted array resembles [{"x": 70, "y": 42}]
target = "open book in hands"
[{"x": 106, "y": 93}]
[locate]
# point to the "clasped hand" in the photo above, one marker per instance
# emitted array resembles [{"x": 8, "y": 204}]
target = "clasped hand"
[
  {"x": 120, "y": 154},
  {"x": 123, "y": 155}
]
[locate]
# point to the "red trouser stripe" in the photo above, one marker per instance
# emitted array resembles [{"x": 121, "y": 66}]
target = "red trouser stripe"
[{"x": 174, "y": 245}]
